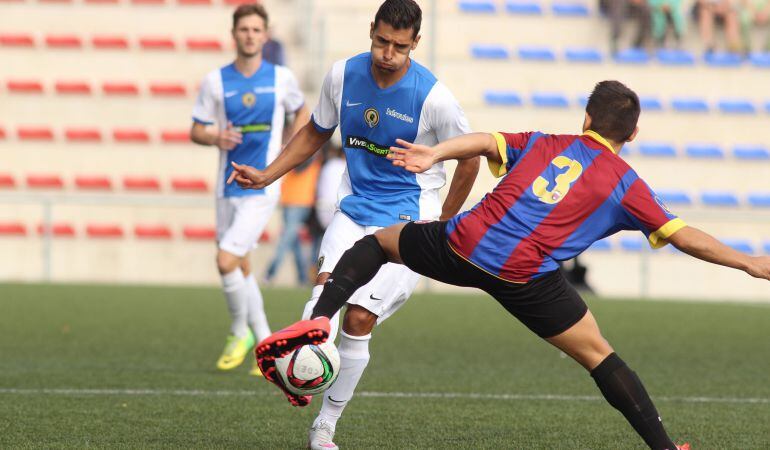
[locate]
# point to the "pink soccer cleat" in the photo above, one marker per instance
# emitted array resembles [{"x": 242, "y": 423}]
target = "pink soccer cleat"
[
  {"x": 267, "y": 366},
  {"x": 304, "y": 332}
]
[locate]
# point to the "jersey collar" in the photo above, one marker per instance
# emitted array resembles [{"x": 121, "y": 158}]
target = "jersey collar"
[{"x": 598, "y": 138}]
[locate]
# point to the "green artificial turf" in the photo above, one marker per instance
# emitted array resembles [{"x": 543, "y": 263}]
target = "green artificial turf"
[{"x": 133, "y": 367}]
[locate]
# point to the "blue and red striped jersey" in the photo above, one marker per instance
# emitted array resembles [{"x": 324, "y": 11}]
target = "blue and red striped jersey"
[{"x": 559, "y": 194}]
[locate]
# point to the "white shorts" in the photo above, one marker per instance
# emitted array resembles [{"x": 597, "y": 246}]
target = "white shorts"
[
  {"x": 388, "y": 290},
  {"x": 241, "y": 220}
]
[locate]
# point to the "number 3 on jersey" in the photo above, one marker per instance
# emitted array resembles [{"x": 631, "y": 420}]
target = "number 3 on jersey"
[{"x": 563, "y": 181}]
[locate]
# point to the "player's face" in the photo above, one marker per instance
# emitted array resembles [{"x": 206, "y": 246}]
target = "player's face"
[
  {"x": 391, "y": 47},
  {"x": 250, "y": 34}
]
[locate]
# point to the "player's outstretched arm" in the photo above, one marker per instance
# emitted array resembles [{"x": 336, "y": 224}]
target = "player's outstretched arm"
[
  {"x": 226, "y": 139},
  {"x": 702, "y": 245},
  {"x": 419, "y": 158}
]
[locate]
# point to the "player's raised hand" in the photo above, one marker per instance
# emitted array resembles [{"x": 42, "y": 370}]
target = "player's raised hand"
[
  {"x": 412, "y": 157},
  {"x": 247, "y": 177},
  {"x": 229, "y": 137}
]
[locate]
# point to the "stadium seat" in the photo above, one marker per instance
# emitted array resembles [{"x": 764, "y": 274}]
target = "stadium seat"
[
  {"x": 502, "y": 98},
  {"x": 119, "y": 88},
  {"x": 650, "y": 104},
  {"x": 689, "y": 105},
  {"x": 582, "y": 101},
  {"x": 17, "y": 40},
  {"x": 57, "y": 229},
  {"x": 767, "y": 106},
  {"x": 157, "y": 43},
  {"x": 83, "y": 135},
  {"x": 477, "y": 6},
  {"x": 130, "y": 136},
  {"x": 102, "y": 231},
  {"x": 204, "y": 44},
  {"x": 704, "y": 151},
  {"x": 63, "y": 41},
  {"x": 148, "y": 2},
  {"x": 766, "y": 247},
  {"x": 757, "y": 59},
  {"x": 489, "y": 51},
  {"x": 168, "y": 89},
  {"x": 2, "y": 133},
  {"x": 674, "y": 197},
  {"x": 109, "y": 42},
  {"x": 736, "y": 106},
  {"x": 742, "y": 245},
  {"x": 670, "y": 57},
  {"x": 194, "y": 2},
  {"x": 44, "y": 181},
  {"x": 93, "y": 183},
  {"x": 634, "y": 56},
  {"x": 24, "y": 86},
  {"x": 569, "y": 9},
  {"x": 602, "y": 245},
  {"x": 7, "y": 181},
  {"x": 536, "y": 53},
  {"x": 161, "y": 232},
  {"x": 549, "y": 100},
  {"x": 141, "y": 183},
  {"x": 72, "y": 87},
  {"x": 632, "y": 244},
  {"x": 193, "y": 185},
  {"x": 236, "y": 2},
  {"x": 175, "y": 136},
  {"x": 759, "y": 199},
  {"x": 723, "y": 59},
  {"x": 749, "y": 152},
  {"x": 34, "y": 133},
  {"x": 102, "y": 2},
  {"x": 524, "y": 7},
  {"x": 657, "y": 149},
  {"x": 197, "y": 232},
  {"x": 719, "y": 198},
  {"x": 583, "y": 55},
  {"x": 12, "y": 229}
]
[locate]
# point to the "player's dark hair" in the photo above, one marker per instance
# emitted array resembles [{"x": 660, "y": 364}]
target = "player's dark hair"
[
  {"x": 400, "y": 14},
  {"x": 614, "y": 110},
  {"x": 249, "y": 9}
]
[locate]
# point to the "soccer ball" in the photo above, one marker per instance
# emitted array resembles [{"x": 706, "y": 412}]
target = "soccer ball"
[{"x": 310, "y": 369}]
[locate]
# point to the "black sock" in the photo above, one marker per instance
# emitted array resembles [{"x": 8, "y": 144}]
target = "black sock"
[
  {"x": 625, "y": 392},
  {"x": 357, "y": 266}
]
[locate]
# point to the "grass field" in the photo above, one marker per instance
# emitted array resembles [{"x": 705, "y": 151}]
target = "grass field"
[{"x": 133, "y": 367}]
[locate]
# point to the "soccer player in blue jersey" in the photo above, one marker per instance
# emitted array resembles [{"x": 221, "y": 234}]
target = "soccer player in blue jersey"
[
  {"x": 241, "y": 110},
  {"x": 559, "y": 194},
  {"x": 374, "y": 98}
]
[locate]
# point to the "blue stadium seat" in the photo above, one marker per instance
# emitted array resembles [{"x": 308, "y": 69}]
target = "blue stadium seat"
[
  {"x": 719, "y": 198},
  {"x": 602, "y": 245},
  {"x": 766, "y": 247},
  {"x": 549, "y": 100},
  {"x": 650, "y": 104},
  {"x": 767, "y": 106},
  {"x": 723, "y": 59},
  {"x": 502, "y": 98},
  {"x": 704, "y": 151},
  {"x": 675, "y": 57},
  {"x": 736, "y": 106},
  {"x": 583, "y": 55},
  {"x": 632, "y": 56},
  {"x": 690, "y": 105},
  {"x": 570, "y": 9},
  {"x": 742, "y": 245},
  {"x": 751, "y": 152},
  {"x": 657, "y": 149},
  {"x": 477, "y": 6},
  {"x": 674, "y": 197},
  {"x": 489, "y": 51},
  {"x": 760, "y": 59},
  {"x": 524, "y": 7},
  {"x": 582, "y": 101},
  {"x": 632, "y": 243},
  {"x": 536, "y": 53},
  {"x": 759, "y": 199}
]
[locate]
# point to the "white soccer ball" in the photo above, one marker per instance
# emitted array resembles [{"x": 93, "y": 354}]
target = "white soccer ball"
[{"x": 310, "y": 369}]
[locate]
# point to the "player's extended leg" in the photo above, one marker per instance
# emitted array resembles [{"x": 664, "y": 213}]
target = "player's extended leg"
[
  {"x": 620, "y": 385},
  {"x": 237, "y": 292}
]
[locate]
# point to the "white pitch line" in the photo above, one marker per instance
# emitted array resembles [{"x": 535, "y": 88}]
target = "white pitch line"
[{"x": 372, "y": 394}]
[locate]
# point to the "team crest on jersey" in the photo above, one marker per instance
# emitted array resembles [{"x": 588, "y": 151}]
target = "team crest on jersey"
[
  {"x": 249, "y": 100},
  {"x": 372, "y": 117}
]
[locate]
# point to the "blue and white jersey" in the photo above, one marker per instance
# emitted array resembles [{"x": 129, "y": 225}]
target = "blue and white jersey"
[
  {"x": 417, "y": 109},
  {"x": 257, "y": 105}
]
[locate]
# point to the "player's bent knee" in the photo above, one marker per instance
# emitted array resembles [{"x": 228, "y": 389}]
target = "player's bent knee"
[
  {"x": 358, "y": 321},
  {"x": 227, "y": 262}
]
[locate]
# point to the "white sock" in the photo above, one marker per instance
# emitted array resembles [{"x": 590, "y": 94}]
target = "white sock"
[
  {"x": 237, "y": 295},
  {"x": 256, "y": 310},
  {"x": 334, "y": 322},
  {"x": 354, "y": 356}
]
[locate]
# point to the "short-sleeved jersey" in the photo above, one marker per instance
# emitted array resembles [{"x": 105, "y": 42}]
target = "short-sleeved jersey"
[
  {"x": 559, "y": 194},
  {"x": 417, "y": 109},
  {"x": 257, "y": 105}
]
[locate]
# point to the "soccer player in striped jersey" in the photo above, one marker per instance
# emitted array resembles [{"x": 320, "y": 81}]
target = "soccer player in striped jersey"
[{"x": 558, "y": 195}]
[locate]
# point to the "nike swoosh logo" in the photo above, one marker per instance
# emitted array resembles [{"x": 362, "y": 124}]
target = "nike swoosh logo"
[
  {"x": 353, "y": 104},
  {"x": 230, "y": 94},
  {"x": 336, "y": 401},
  {"x": 371, "y": 296}
]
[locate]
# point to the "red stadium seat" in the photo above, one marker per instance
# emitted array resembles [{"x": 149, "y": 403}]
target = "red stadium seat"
[
  {"x": 93, "y": 182},
  {"x": 12, "y": 229},
  {"x": 109, "y": 42},
  {"x": 44, "y": 181},
  {"x": 199, "y": 233},
  {"x": 72, "y": 87},
  {"x": 157, "y": 43},
  {"x": 203, "y": 44},
  {"x": 97, "y": 230},
  {"x": 168, "y": 89},
  {"x": 102, "y": 2},
  {"x": 38, "y": 133},
  {"x": 189, "y": 185},
  {"x": 83, "y": 135},
  {"x": 135, "y": 183},
  {"x": 152, "y": 232},
  {"x": 17, "y": 40},
  {"x": 175, "y": 136},
  {"x": 2, "y": 133},
  {"x": 148, "y": 2},
  {"x": 119, "y": 88},
  {"x": 56, "y": 1},
  {"x": 265, "y": 237},
  {"x": 24, "y": 86},
  {"x": 130, "y": 136},
  {"x": 7, "y": 181},
  {"x": 237, "y": 2},
  {"x": 63, "y": 41},
  {"x": 57, "y": 229},
  {"x": 194, "y": 2}
]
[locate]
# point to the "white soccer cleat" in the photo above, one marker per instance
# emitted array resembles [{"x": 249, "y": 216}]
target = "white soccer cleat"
[{"x": 321, "y": 435}]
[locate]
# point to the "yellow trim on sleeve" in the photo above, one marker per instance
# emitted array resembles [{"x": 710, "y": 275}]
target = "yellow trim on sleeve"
[
  {"x": 658, "y": 238},
  {"x": 598, "y": 138},
  {"x": 498, "y": 169}
]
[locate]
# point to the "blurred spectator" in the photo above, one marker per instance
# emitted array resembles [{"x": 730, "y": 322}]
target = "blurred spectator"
[
  {"x": 719, "y": 12},
  {"x": 273, "y": 51},
  {"x": 297, "y": 197},
  {"x": 326, "y": 197},
  {"x": 667, "y": 14},
  {"x": 755, "y": 13},
  {"x": 618, "y": 11}
]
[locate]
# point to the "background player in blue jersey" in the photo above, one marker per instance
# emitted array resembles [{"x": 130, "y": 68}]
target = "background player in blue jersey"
[
  {"x": 241, "y": 109},
  {"x": 374, "y": 98}
]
